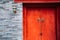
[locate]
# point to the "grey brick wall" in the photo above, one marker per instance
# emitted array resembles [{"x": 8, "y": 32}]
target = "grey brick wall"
[{"x": 10, "y": 23}]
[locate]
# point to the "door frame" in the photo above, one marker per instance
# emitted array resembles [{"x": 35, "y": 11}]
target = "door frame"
[{"x": 26, "y": 5}]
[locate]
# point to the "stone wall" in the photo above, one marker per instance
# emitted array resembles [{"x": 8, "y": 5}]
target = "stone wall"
[{"x": 11, "y": 23}]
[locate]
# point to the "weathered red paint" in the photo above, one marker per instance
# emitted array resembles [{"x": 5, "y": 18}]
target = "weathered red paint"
[
  {"x": 32, "y": 27},
  {"x": 36, "y": 1}
]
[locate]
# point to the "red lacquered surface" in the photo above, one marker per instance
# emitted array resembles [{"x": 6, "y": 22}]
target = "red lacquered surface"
[{"x": 33, "y": 28}]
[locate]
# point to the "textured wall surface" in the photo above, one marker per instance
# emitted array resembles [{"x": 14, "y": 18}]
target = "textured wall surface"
[{"x": 10, "y": 23}]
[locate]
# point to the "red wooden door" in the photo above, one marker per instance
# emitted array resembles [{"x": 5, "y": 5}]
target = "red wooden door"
[{"x": 39, "y": 24}]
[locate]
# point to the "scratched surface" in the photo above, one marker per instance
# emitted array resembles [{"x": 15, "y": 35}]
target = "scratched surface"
[{"x": 10, "y": 23}]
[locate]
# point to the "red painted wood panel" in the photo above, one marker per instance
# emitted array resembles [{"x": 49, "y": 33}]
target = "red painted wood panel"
[
  {"x": 48, "y": 26},
  {"x": 32, "y": 27},
  {"x": 36, "y": 1},
  {"x": 58, "y": 23}
]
